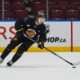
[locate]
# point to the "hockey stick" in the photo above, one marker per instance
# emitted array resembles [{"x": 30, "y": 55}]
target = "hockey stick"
[
  {"x": 52, "y": 52},
  {"x": 59, "y": 56}
]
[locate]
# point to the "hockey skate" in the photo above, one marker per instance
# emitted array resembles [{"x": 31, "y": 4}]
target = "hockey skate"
[{"x": 10, "y": 63}]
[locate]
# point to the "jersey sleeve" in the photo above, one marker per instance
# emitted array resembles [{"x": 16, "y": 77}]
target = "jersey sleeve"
[
  {"x": 43, "y": 37},
  {"x": 19, "y": 24}
]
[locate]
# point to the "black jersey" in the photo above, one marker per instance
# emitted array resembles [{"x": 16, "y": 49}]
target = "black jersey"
[{"x": 24, "y": 25}]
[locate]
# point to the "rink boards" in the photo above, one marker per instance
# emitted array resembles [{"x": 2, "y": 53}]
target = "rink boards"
[{"x": 63, "y": 36}]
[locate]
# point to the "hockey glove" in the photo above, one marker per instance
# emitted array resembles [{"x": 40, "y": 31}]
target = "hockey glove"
[{"x": 41, "y": 45}]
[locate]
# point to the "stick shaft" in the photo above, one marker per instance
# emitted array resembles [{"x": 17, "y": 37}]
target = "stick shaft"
[
  {"x": 58, "y": 56},
  {"x": 53, "y": 52}
]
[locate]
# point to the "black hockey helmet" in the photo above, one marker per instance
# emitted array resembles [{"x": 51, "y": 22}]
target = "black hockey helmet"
[{"x": 39, "y": 14}]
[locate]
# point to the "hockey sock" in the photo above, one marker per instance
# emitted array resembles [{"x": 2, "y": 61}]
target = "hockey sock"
[
  {"x": 16, "y": 57},
  {"x": 5, "y": 53}
]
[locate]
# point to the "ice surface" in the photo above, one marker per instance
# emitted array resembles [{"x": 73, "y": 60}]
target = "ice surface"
[{"x": 41, "y": 66}]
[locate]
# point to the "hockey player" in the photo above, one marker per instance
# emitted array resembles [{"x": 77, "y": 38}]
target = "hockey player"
[{"x": 33, "y": 28}]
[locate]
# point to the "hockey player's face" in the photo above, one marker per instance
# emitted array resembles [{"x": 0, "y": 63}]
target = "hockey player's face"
[{"x": 40, "y": 20}]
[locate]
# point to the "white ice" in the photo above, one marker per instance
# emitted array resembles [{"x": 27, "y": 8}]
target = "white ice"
[{"x": 41, "y": 66}]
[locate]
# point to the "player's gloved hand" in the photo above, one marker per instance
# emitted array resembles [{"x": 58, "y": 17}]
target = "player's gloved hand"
[{"x": 41, "y": 45}]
